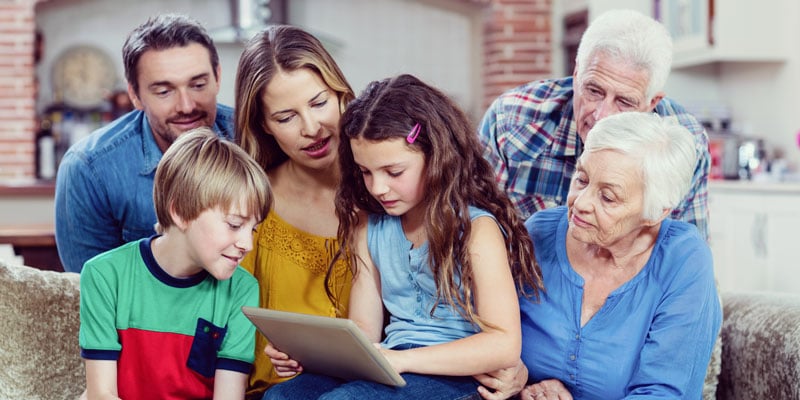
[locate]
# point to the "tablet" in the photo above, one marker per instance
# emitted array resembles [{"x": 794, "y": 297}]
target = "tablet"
[{"x": 324, "y": 345}]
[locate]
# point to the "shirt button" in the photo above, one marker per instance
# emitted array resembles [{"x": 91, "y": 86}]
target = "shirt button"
[
  {"x": 572, "y": 377},
  {"x": 577, "y": 336},
  {"x": 572, "y": 357}
]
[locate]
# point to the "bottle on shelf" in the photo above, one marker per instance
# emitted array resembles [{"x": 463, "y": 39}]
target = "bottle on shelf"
[{"x": 45, "y": 151}]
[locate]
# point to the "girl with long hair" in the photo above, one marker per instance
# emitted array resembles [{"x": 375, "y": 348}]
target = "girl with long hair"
[{"x": 431, "y": 240}]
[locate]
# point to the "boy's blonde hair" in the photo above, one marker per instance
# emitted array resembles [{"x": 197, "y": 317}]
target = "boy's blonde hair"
[{"x": 201, "y": 171}]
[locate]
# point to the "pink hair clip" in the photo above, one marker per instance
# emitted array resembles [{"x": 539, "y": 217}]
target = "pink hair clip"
[{"x": 412, "y": 136}]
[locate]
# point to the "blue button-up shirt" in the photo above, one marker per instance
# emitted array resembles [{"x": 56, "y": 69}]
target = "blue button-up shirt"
[
  {"x": 104, "y": 187},
  {"x": 653, "y": 336},
  {"x": 532, "y": 141}
]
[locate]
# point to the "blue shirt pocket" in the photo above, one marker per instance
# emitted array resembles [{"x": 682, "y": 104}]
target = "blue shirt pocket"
[{"x": 207, "y": 342}]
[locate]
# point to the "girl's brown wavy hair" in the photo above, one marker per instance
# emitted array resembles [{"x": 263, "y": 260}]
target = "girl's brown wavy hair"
[{"x": 456, "y": 175}]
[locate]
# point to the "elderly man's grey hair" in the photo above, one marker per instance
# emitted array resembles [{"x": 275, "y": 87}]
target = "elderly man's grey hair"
[
  {"x": 630, "y": 37},
  {"x": 664, "y": 149}
]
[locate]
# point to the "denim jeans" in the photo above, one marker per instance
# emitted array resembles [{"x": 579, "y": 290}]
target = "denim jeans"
[{"x": 428, "y": 387}]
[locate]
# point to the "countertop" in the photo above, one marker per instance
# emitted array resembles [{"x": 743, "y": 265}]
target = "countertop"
[
  {"x": 27, "y": 202},
  {"x": 26, "y": 221},
  {"x": 756, "y": 186}
]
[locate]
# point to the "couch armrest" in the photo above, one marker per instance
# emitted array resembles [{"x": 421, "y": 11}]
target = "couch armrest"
[
  {"x": 761, "y": 346},
  {"x": 39, "y": 324}
]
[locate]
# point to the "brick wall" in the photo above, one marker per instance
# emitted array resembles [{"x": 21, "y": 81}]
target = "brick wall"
[
  {"x": 517, "y": 49},
  {"x": 17, "y": 89},
  {"x": 517, "y": 45}
]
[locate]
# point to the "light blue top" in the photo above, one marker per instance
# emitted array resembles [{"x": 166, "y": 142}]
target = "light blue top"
[
  {"x": 104, "y": 187},
  {"x": 651, "y": 339},
  {"x": 408, "y": 288}
]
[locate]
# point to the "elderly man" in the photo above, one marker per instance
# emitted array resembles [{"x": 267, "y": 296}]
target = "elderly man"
[{"x": 535, "y": 133}]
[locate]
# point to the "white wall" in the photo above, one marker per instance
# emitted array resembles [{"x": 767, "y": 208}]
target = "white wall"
[
  {"x": 437, "y": 40},
  {"x": 762, "y": 96},
  {"x": 559, "y": 10},
  {"x": 106, "y": 24},
  {"x": 375, "y": 39}
]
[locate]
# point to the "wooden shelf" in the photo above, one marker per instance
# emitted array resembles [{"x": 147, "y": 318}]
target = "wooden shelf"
[
  {"x": 36, "y": 244},
  {"x": 28, "y": 235},
  {"x": 27, "y": 188}
]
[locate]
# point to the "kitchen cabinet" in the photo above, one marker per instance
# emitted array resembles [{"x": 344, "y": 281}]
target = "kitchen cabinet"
[
  {"x": 753, "y": 232},
  {"x": 709, "y": 31}
]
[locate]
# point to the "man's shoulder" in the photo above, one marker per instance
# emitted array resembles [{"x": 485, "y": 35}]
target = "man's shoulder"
[
  {"x": 112, "y": 138},
  {"x": 539, "y": 91},
  {"x": 225, "y": 110},
  {"x": 224, "y": 123},
  {"x": 546, "y": 101},
  {"x": 670, "y": 108}
]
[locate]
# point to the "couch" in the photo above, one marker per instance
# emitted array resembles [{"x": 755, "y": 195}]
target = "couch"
[
  {"x": 39, "y": 320},
  {"x": 40, "y": 356}
]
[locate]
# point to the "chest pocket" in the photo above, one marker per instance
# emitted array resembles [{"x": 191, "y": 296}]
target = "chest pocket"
[{"x": 207, "y": 342}]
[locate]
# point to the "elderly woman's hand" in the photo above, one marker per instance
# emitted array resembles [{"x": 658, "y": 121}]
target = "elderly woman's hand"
[
  {"x": 503, "y": 383},
  {"x": 548, "y": 389}
]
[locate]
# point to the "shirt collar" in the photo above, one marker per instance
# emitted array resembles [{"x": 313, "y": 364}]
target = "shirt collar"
[
  {"x": 150, "y": 151},
  {"x": 566, "y": 141}
]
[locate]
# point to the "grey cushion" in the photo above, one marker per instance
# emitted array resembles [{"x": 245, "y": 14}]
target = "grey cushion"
[{"x": 761, "y": 351}]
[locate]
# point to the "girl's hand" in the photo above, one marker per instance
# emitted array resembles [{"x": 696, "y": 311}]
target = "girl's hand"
[
  {"x": 284, "y": 366},
  {"x": 548, "y": 389},
  {"x": 503, "y": 383}
]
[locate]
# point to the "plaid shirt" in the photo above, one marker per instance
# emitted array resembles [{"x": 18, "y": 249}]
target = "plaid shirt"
[{"x": 532, "y": 141}]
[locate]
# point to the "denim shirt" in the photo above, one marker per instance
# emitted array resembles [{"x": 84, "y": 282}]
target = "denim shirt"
[
  {"x": 653, "y": 336},
  {"x": 104, "y": 187}
]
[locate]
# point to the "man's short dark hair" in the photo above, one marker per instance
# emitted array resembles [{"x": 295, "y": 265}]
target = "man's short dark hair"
[{"x": 163, "y": 32}]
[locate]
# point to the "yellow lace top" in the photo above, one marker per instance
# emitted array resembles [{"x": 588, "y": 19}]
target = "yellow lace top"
[{"x": 290, "y": 267}]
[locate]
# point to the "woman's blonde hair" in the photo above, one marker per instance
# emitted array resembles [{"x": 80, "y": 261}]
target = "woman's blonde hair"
[{"x": 278, "y": 48}]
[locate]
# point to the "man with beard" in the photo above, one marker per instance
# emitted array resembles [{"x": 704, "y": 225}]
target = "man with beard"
[{"x": 104, "y": 186}]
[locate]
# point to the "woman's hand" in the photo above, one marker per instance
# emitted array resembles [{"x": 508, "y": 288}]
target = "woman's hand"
[
  {"x": 284, "y": 366},
  {"x": 503, "y": 383},
  {"x": 548, "y": 389}
]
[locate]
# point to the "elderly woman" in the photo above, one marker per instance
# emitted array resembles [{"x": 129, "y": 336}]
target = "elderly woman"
[{"x": 630, "y": 306}]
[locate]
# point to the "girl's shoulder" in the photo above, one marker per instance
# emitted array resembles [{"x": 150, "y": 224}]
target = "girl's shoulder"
[{"x": 476, "y": 212}]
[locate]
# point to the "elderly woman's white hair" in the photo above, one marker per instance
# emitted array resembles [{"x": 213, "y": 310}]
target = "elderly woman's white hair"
[
  {"x": 632, "y": 37},
  {"x": 664, "y": 149}
]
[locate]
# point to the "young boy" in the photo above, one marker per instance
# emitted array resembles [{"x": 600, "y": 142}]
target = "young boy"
[{"x": 161, "y": 317}]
